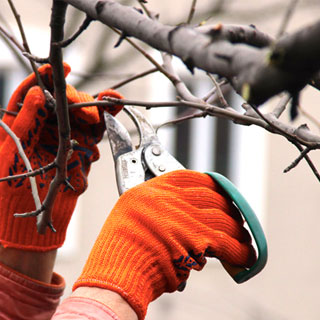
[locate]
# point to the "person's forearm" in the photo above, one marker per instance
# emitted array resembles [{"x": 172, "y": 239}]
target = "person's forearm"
[
  {"x": 22, "y": 297},
  {"x": 36, "y": 265},
  {"x": 108, "y": 298}
]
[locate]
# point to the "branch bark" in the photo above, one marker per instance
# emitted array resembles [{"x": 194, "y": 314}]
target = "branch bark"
[{"x": 256, "y": 73}]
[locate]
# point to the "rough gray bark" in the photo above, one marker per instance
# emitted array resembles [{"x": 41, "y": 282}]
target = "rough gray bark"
[{"x": 256, "y": 73}]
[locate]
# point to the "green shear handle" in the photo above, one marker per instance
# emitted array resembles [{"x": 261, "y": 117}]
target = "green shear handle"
[{"x": 241, "y": 274}]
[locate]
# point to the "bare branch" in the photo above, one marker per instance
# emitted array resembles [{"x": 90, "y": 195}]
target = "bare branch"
[
  {"x": 135, "y": 77},
  {"x": 31, "y": 173},
  {"x": 180, "y": 86},
  {"x": 148, "y": 57},
  {"x": 12, "y": 39},
  {"x": 201, "y": 114},
  {"x": 25, "y": 44},
  {"x": 249, "y": 35},
  {"x": 297, "y": 161},
  {"x": 192, "y": 11},
  {"x": 221, "y": 98},
  {"x": 306, "y": 138},
  {"x": 83, "y": 27},
  {"x": 289, "y": 12},
  {"x": 309, "y": 116},
  {"x": 279, "y": 109},
  {"x": 57, "y": 25},
  {"x": 43, "y": 213},
  {"x": 2, "y": 110},
  {"x": 35, "y": 58},
  {"x": 33, "y": 183},
  {"x": 256, "y": 73},
  {"x": 15, "y": 47}
]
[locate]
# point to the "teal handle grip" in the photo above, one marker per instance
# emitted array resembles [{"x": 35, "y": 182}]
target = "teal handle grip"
[{"x": 254, "y": 225}]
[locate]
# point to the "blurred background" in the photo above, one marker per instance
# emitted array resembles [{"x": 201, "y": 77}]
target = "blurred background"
[{"x": 286, "y": 203}]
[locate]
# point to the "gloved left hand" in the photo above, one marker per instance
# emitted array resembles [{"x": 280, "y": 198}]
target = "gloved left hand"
[{"x": 36, "y": 126}]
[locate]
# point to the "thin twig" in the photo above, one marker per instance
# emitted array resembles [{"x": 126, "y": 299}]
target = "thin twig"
[
  {"x": 281, "y": 107},
  {"x": 144, "y": 8},
  {"x": 288, "y": 14},
  {"x": 135, "y": 77},
  {"x": 146, "y": 55},
  {"x": 12, "y": 113},
  {"x": 229, "y": 113},
  {"x": 220, "y": 95},
  {"x": 309, "y": 116},
  {"x": 192, "y": 11},
  {"x": 201, "y": 114},
  {"x": 297, "y": 161},
  {"x": 33, "y": 173},
  {"x": 15, "y": 51},
  {"x": 83, "y": 27},
  {"x": 293, "y": 140},
  {"x": 180, "y": 86},
  {"x": 35, "y": 58},
  {"x": 34, "y": 188},
  {"x": 25, "y": 44},
  {"x": 12, "y": 39}
]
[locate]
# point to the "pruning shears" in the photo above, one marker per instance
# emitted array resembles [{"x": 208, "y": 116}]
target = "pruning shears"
[{"x": 150, "y": 159}]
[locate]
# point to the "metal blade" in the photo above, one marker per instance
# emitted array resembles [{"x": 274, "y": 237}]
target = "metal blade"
[
  {"x": 119, "y": 138},
  {"x": 145, "y": 128}
]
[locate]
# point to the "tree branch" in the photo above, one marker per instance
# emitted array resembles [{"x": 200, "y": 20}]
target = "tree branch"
[
  {"x": 33, "y": 183},
  {"x": 43, "y": 214},
  {"x": 257, "y": 74},
  {"x": 304, "y": 137},
  {"x": 59, "y": 9},
  {"x": 33, "y": 173},
  {"x": 26, "y": 45}
]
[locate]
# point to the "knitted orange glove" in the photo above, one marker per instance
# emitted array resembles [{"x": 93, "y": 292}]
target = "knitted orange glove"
[
  {"x": 36, "y": 126},
  {"x": 159, "y": 231}
]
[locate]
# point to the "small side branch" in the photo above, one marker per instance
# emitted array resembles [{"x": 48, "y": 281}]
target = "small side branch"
[
  {"x": 33, "y": 173},
  {"x": 192, "y": 11},
  {"x": 289, "y": 12},
  {"x": 25, "y": 44},
  {"x": 297, "y": 161},
  {"x": 135, "y": 77},
  {"x": 34, "y": 188},
  {"x": 82, "y": 28}
]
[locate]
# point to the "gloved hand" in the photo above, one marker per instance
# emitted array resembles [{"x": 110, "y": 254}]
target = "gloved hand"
[
  {"x": 36, "y": 126},
  {"x": 159, "y": 231}
]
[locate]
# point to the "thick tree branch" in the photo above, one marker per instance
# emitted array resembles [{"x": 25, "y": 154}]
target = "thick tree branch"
[
  {"x": 56, "y": 60},
  {"x": 257, "y": 74},
  {"x": 43, "y": 214}
]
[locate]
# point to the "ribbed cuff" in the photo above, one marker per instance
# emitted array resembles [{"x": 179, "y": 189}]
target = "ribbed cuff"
[{"x": 21, "y": 233}]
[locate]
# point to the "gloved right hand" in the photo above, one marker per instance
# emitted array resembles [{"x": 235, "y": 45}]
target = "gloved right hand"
[{"x": 159, "y": 231}]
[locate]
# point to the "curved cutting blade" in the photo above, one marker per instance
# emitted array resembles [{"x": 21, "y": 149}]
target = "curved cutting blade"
[
  {"x": 146, "y": 131},
  {"x": 118, "y": 135}
]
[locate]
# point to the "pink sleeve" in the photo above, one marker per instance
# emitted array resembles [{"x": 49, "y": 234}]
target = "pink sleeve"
[
  {"x": 78, "y": 308},
  {"x": 23, "y": 298}
]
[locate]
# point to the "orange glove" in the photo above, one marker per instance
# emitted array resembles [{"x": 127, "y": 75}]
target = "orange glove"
[
  {"x": 36, "y": 126},
  {"x": 159, "y": 231}
]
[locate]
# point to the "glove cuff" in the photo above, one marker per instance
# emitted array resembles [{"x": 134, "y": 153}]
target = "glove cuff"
[
  {"x": 21, "y": 233},
  {"x": 130, "y": 258},
  {"x": 131, "y": 271}
]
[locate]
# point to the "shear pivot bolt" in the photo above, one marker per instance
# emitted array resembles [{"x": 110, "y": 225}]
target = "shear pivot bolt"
[
  {"x": 156, "y": 151},
  {"x": 162, "y": 168}
]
